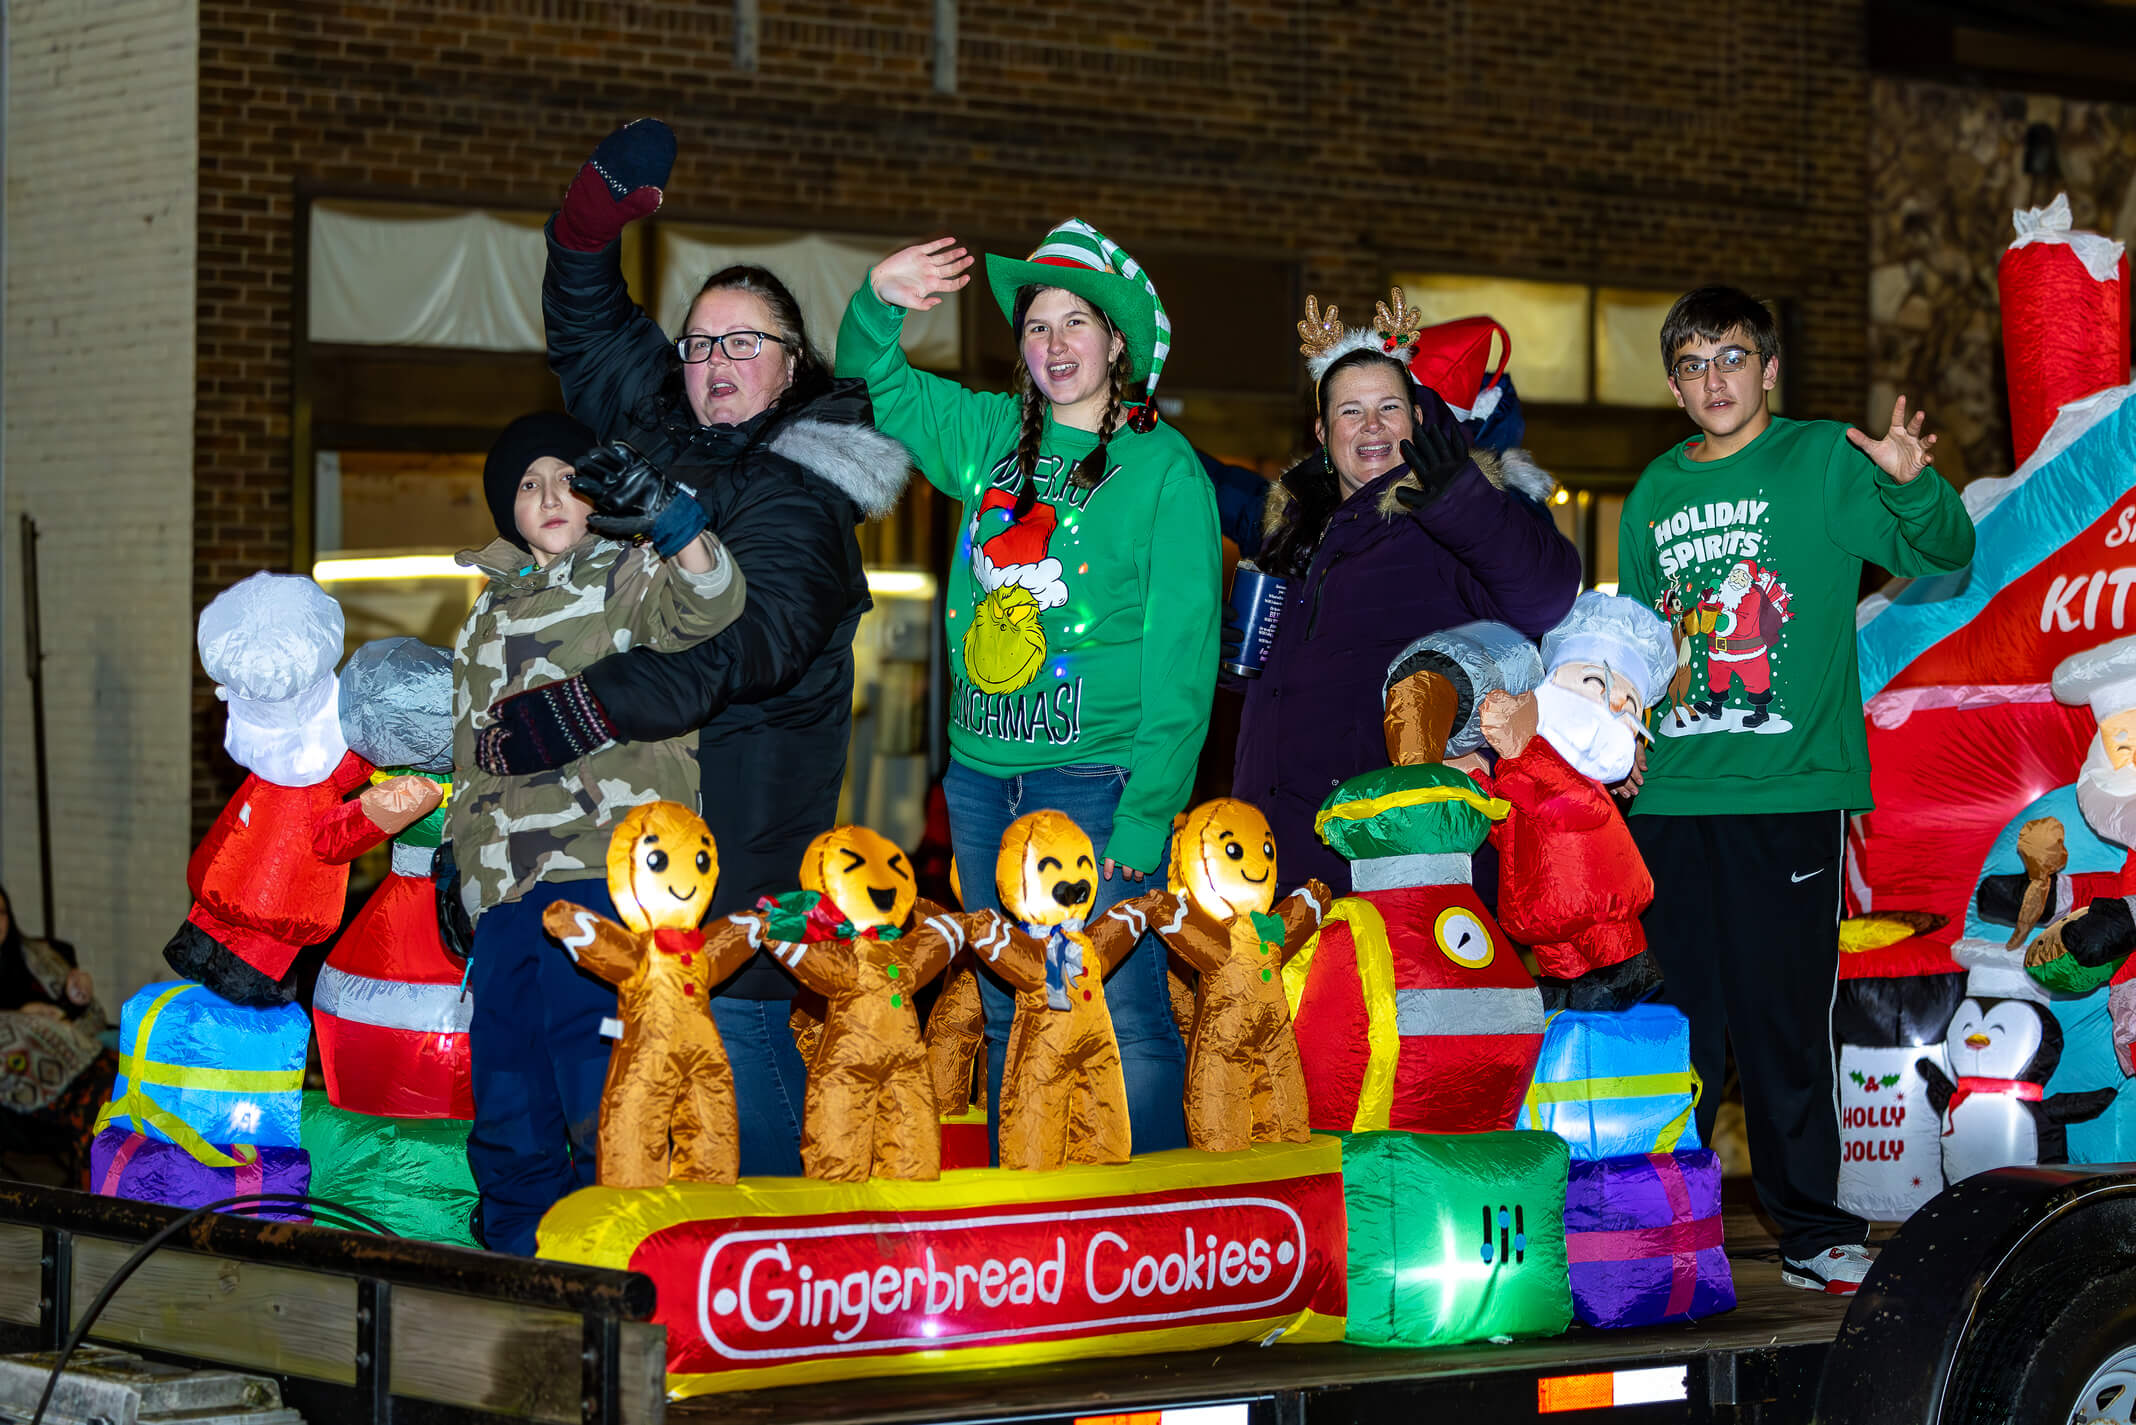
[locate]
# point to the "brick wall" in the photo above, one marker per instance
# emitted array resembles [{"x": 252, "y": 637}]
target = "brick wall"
[
  {"x": 1617, "y": 142},
  {"x": 99, "y": 404}
]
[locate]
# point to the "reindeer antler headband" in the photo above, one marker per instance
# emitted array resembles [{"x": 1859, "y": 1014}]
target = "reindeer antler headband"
[{"x": 1324, "y": 340}]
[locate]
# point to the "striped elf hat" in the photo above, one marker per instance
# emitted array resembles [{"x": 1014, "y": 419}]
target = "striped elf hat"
[{"x": 1079, "y": 258}]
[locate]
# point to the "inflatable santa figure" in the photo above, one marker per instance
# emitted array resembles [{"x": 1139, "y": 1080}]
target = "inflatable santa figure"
[
  {"x": 1411, "y": 1008},
  {"x": 271, "y": 875},
  {"x": 1741, "y": 621},
  {"x": 390, "y": 1009},
  {"x": 1571, "y": 883},
  {"x": 2090, "y": 942}
]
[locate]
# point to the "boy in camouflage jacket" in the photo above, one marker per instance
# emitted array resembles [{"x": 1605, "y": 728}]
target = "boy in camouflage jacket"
[{"x": 559, "y": 598}]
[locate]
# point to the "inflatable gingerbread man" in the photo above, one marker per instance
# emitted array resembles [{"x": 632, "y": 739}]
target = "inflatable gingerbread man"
[
  {"x": 667, "y": 1109},
  {"x": 861, "y": 938},
  {"x": 1244, "y": 1081}
]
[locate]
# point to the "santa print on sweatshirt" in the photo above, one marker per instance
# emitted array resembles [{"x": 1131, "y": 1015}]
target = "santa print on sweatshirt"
[
  {"x": 1728, "y": 612},
  {"x": 1755, "y": 559}
]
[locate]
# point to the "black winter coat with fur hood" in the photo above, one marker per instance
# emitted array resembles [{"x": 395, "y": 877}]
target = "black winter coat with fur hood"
[{"x": 770, "y": 697}]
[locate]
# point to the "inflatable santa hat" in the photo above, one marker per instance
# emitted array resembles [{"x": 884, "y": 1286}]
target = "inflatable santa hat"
[{"x": 2065, "y": 314}]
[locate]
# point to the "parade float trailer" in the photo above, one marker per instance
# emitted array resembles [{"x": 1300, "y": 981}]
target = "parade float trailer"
[{"x": 2010, "y": 1289}]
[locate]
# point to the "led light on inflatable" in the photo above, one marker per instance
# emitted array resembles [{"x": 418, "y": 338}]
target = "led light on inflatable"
[
  {"x": 198, "y": 1071},
  {"x": 780, "y": 1280},
  {"x": 1455, "y": 1237},
  {"x": 1615, "y": 1082}
]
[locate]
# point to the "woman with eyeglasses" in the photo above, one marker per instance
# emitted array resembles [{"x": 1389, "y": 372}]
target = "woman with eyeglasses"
[{"x": 734, "y": 425}]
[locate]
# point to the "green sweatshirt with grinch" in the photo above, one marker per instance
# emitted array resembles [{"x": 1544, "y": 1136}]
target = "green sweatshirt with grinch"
[
  {"x": 1755, "y": 560},
  {"x": 1086, "y": 632}
]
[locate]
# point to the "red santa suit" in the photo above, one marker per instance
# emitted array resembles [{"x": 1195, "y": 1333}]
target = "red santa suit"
[
  {"x": 1571, "y": 882},
  {"x": 272, "y": 875},
  {"x": 1746, "y": 624}
]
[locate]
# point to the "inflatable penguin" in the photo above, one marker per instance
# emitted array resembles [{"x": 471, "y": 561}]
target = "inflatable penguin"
[{"x": 1998, "y": 1114}]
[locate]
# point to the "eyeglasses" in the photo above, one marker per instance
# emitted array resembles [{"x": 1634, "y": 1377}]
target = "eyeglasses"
[
  {"x": 739, "y": 346},
  {"x": 1728, "y": 361}
]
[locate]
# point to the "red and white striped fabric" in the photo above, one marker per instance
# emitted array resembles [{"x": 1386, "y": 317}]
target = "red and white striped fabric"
[{"x": 390, "y": 1013}]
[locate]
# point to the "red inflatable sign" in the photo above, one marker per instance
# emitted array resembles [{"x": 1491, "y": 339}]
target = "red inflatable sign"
[{"x": 787, "y": 1280}]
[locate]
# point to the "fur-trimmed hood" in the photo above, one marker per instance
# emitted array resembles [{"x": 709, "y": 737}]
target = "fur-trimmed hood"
[
  {"x": 1513, "y": 470},
  {"x": 870, "y": 467}
]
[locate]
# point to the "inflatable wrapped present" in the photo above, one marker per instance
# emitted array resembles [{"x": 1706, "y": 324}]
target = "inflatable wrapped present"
[
  {"x": 411, "y": 1174},
  {"x": 1643, "y": 1234},
  {"x": 134, "y": 1165},
  {"x": 1456, "y": 1237},
  {"x": 1615, "y": 1082},
  {"x": 200, "y": 1072}
]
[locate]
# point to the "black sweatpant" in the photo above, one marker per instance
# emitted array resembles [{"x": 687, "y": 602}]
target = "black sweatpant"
[{"x": 1745, "y": 925}]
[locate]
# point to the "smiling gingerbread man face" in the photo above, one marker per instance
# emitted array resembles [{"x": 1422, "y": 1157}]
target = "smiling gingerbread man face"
[
  {"x": 662, "y": 867},
  {"x": 864, "y": 873},
  {"x": 1224, "y": 859},
  {"x": 1047, "y": 872}
]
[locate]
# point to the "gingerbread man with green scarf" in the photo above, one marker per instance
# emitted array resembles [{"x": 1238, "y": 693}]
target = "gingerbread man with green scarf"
[{"x": 857, "y": 934}]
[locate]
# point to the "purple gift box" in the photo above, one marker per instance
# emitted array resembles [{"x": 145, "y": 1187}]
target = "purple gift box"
[
  {"x": 1643, "y": 1235},
  {"x": 123, "y": 1164}
]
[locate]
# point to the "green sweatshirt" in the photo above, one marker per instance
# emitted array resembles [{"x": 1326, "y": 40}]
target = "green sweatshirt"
[
  {"x": 1086, "y": 633},
  {"x": 1756, "y": 559}
]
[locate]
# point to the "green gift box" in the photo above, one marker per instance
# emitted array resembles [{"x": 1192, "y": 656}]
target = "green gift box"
[
  {"x": 409, "y": 1173},
  {"x": 1455, "y": 1237}
]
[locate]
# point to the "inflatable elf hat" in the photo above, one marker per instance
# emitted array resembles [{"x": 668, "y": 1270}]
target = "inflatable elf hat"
[
  {"x": 1078, "y": 258},
  {"x": 1424, "y": 809}
]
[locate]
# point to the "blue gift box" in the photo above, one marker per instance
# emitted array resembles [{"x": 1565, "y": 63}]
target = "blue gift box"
[
  {"x": 1615, "y": 1083},
  {"x": 196, "y": 1070}
]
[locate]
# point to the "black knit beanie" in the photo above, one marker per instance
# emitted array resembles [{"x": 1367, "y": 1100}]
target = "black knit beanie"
[{"x": 523, "y": 442}]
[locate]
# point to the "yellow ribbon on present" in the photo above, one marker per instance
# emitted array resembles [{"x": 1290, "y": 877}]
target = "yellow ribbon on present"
[
  {"x": 145, "y": 1111},
  {"x": 1375, "y": 980},
  {"x": 1623, "y": 1086}
]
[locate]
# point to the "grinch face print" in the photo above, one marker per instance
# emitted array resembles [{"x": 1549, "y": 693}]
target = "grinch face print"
[
  {"x": 1011, "y": 685},
  {"x": 1727, "y": 610}
]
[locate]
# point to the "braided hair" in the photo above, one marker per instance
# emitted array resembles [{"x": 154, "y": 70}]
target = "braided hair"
[{"x": 1090, "y": 470}]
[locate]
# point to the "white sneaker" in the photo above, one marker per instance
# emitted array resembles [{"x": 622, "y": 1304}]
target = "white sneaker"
[{"x": 1837, "y": 1270}]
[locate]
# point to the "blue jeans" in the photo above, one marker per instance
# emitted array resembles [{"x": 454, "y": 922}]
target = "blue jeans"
[
  {"x": 770, "y": 1082},
  {"x": 1151, "y": 1055},
  {"x": 538, "y": 1062}
]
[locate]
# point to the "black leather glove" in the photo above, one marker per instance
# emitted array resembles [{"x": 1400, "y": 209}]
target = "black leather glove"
[
  {"x": 633, "y": 499},
  {"x": 2105, "y": 933},
  {"x": 1436, "y": 457},
  {"x": 455, "y": 931}
]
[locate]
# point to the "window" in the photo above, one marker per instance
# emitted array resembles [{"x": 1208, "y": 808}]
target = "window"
[{"x": 1547, "y": 322}]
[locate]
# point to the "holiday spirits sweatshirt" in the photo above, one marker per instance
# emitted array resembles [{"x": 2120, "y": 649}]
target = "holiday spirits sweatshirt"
[
  {"x": 1086, "y": 632},
  {"x": 1755, "y": 560}
]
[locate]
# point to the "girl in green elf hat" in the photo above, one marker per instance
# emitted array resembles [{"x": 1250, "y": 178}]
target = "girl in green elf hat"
[{"x": 1082, "y": 618}]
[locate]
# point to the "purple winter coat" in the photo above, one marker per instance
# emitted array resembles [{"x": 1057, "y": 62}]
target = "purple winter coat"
[{"x": 1383, "y": 577}]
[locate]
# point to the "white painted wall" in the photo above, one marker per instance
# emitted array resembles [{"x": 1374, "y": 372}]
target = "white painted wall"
[{"x": 102, "y": 163}]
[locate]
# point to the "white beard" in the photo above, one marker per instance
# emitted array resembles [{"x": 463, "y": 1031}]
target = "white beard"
[
  {"x": 1586, "y": 734},
  {"x": 1730, "y": 595},
  {"x": 2106, "y": 794},
  {"x": 293, "y": 742}
]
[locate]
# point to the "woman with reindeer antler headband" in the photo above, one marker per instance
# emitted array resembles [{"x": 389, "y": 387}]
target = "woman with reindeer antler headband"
[
  {"x": 1391, "y": 530},
  {"x": 1082, "y": 607}
]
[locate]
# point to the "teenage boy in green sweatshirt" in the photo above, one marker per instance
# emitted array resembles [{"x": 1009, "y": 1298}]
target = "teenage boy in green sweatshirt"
[{"x": 1750, "y": 539}]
